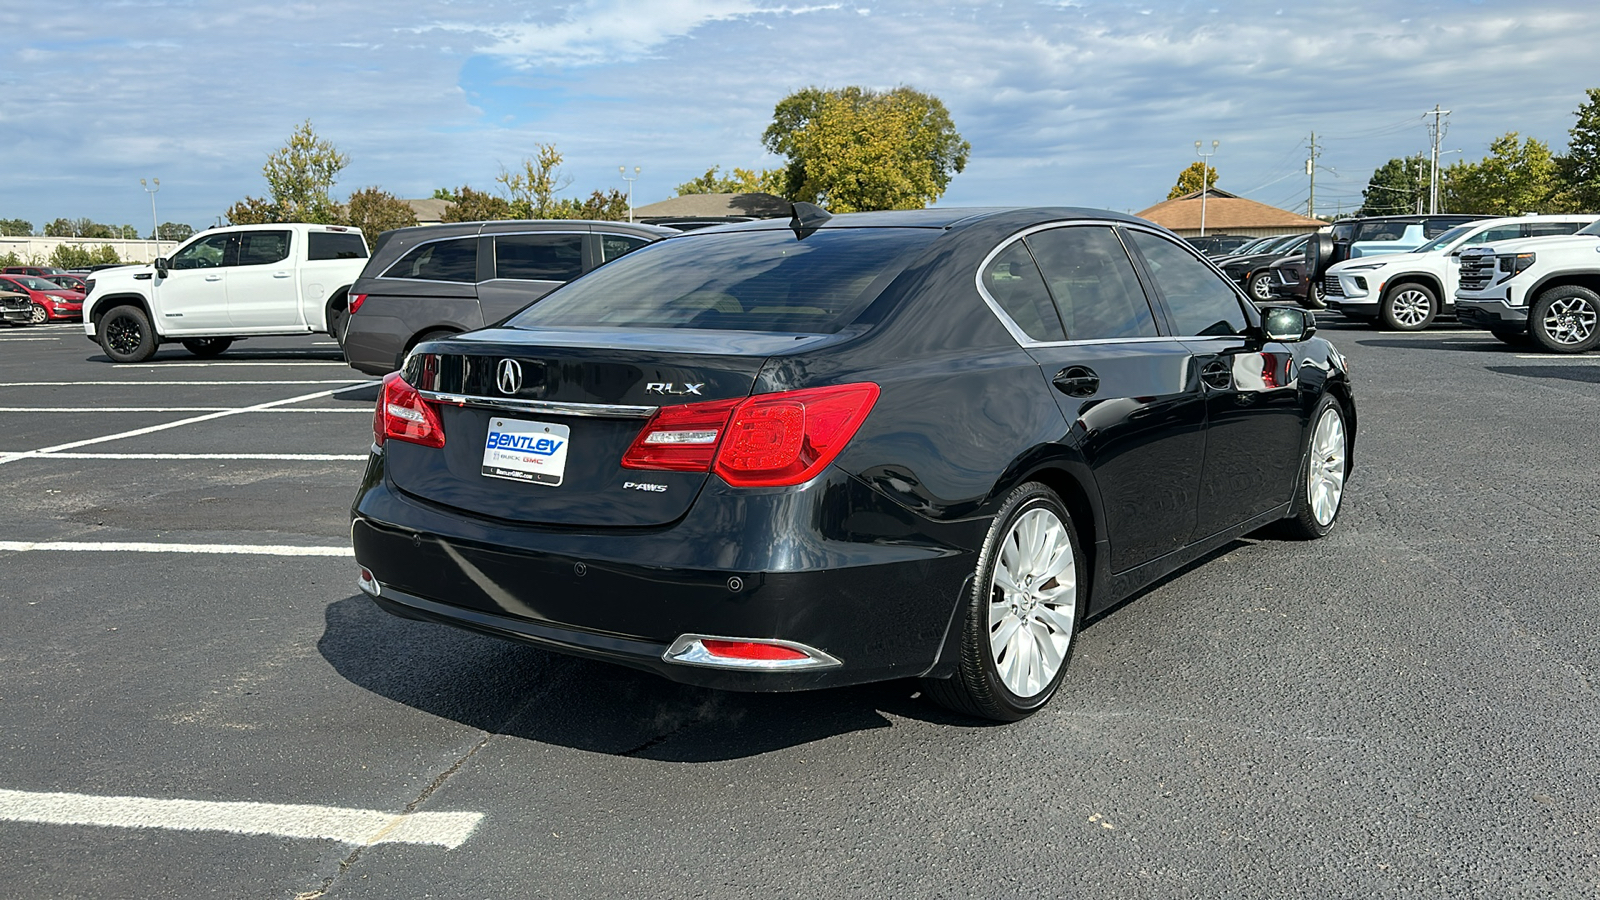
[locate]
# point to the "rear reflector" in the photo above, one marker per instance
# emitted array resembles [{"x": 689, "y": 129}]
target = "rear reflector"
[
  {"x": 403, "y": 415},
  {"x": 355, "y": 302},
  {"x": 743, "y": 653},
  {"x": 768, "y": 440}
]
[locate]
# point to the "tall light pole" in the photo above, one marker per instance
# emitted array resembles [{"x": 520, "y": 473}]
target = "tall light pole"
[
  {"x": 156, "y": 234},
  {"x": 1205, "y": 176},
  {"x": 623, "y": 171}
]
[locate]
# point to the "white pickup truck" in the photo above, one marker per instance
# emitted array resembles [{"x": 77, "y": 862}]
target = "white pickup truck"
[{"x": 225, "y": 284}]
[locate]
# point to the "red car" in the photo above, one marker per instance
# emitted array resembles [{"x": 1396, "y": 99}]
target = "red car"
[{"x": 51, "y": 301}]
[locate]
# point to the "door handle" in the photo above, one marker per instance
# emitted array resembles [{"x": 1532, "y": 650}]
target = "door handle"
[
  {"x": 213, "y": 277},
  {"x": 1077, "y": 381},
  {"x": 280, "y": 274},
  {"x": 1218, "y": 374}
]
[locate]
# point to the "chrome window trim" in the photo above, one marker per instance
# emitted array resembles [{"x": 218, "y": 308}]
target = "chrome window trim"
[
  {"x": 1021, "y": 337},
  {"x": 544, "y": 407}
]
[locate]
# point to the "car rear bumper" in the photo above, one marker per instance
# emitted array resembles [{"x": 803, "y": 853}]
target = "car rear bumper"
[
  {"x": 373, "y": 343},
  {"x": 1496, "y": 315},
  {"x": 809, "y": 565}
]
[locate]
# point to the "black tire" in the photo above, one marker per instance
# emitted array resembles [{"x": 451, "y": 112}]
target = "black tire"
[
  {"x": 1307, "y": 520},
  {"x": 1260, "y": 287},
  {"x": 1514, "y": 338},
  {"x": 1316, "y": 296},
  {"x": 126, "y": 335},
  {"x": 979, "y": 688},
  {"x": 338, "y": 321},
  {"x": 205, "y": 348},
  {"x": 1409, "y": 306},
  {"x": 39, "y": 314},
  {"x": 1566, "y": 319}
]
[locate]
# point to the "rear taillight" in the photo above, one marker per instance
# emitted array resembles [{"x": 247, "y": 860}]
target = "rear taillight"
[
  {"x": 768, "y": 440},
  {"x": 403, "y": 415},
  {"x": 355, "y": 302}
]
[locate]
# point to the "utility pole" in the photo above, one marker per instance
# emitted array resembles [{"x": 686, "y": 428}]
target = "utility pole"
[
  {"x": 623, "y": 171},
  {"x": 1205, "y": 178},
  {"x": 1436, "y": 130},
  {"x": 1311, "y": 170}
]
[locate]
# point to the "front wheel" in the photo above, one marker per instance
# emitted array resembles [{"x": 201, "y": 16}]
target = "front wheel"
[
  {"x": 205, "y": 348},
  {"x": 126, "y": 335},
  {"x": 1021, "y": 619},
  {"x": 1409, "y": 307},
  {"x": 1320, "y": 488},
  {"x": 39, "y": 315},
  {"x": 1564, "y": 319},
  {"x": 1260, "y": 287}
]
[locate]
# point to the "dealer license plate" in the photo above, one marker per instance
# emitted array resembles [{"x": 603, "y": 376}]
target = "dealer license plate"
[{"x": 519, "y": 450}]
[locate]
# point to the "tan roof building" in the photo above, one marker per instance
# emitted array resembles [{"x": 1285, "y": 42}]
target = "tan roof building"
[
  {"x": 1226, "y": 214},
  {"x": 713, "y": 206},
  {"x": 429, "y": 210}
]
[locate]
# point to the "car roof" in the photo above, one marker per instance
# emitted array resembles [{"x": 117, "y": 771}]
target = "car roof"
[{"x": 939, "y": 217}]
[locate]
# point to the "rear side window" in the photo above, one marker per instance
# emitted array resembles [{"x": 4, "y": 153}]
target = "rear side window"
[
  {"x": 1547, "y": 229},
  {"x": 615, "y": 245},
  {"x": 742, "y": 280},
  {"x": 1198, "y": 299},
  {"x": 1093, "y": 283},
  {"x": 335, "y": 245},
  {"x": 261, "y": 248},
  {"x": 1012, "y": 280},
  {"x": 452, "y": 260},
  {"x": 538, "y": 257}
]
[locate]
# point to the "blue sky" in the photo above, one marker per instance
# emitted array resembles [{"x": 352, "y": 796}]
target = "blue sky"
[{"x": 1080, "y": 102}]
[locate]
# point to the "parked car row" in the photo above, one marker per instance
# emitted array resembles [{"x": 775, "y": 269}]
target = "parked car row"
[{"x": 47, "y": 300}]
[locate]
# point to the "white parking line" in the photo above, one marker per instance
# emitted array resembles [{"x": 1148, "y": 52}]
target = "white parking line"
[
  {"x": 181, "y": 422},
  {"x": 1561, "y": 359},
  {"x": 154, "y": 383},
  {"x": 16, "y": 340},
  {"x": 165, "y": 409},
  {"x": 145, "y": 547},
  {"x": 227, "y": 363},
  {"x": 284, "y": 457},
  {"x": 350, "y": 826}
]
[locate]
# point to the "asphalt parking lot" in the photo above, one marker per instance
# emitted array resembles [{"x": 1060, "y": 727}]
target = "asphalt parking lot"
[{"x": 197, "y": 701}]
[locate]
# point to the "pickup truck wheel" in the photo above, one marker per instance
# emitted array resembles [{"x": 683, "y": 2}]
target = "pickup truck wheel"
[
  {"x": 1564, "y": 319},
  {"x": 205, "y": 348},
  {"x": 126, "y": 335},
  {"x": 1409, "y": 307},
  {"x": 1261, "y": 287},
  {"x": 39, "y": 315}
]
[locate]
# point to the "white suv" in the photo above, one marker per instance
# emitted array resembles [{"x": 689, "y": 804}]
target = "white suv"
[
  {"x": 1408, "y": 290},
  {"x": 1546, "y": 291}
]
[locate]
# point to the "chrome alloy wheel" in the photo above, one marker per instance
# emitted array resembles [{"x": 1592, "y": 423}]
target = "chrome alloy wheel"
[
  {"x": 39, "y": 315},
  {"x": 1033, "y": 603},
  {"x": 1325, "y": 473},
  {"x": 1570, "y": 320},
  {"x": 1411, "y": 307}
]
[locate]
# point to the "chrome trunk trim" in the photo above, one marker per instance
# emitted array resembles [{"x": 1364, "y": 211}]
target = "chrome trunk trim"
[{"x": 544, "y": 407}]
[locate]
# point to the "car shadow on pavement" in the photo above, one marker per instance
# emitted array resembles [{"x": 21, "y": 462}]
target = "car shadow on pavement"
[
  {"x": 1587, "y": 374},
  {"x": 1454, "y": 342},
  {"x": 522, "y": 691},
  {"x": 176, "y": 353}
]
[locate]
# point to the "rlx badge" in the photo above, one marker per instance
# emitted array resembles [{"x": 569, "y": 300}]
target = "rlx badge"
[
  {"x": 508, "y": 376},
  {"x": 667, "y": 387}
]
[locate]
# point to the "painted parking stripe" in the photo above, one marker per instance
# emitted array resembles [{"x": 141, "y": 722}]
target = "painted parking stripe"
[
  {"x": 227, "y": 363},
  {"x": 154, "y": 383},
  {"x": 1551, "y": 357},
  {"x": 168, "y": 409},
  {"x": 282, "y": 457},
  {"x": 361, "y": 827},
  {"x": 143, "y": 547},
  {"x": 181, "y": 422}
]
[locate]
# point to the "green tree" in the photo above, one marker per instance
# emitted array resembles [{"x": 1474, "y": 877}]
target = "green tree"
[
  {"x": 1514, "y": 179},
  {"x": 857, "y": 149},
  {"x": 1580, "y": 167},
  {"x": 58, "y": 228},
  {"x": 1398, "y": 186},
  {"x": 16, "y": 227},
  {"x": 174, "y": 231},
  {"x": 477, "y": 206},
  {"x": 739, "y": 181},
  {"x": 610, "y": 206},
  {"x": 74, "y": 256},
  {"x": 1189, "y": 180},
  {"x": 254, "y": 211},
  {"x": 532, "y": 190},
  {"x": 300, "y": 175},
  {"x": 375, "y": 211}
]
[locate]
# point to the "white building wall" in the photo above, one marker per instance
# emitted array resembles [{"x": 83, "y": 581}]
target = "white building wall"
[{"x": 37, "y": 250}]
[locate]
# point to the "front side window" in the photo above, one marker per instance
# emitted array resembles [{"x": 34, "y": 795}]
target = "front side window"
[
  {"x": 538, "y": 257},
  {"x": 771, "y": 281},
  {"x": 1014, "y": 282},
  {"x": 263, "y": 248},
  {"x": 1199, "y": 300},
  {"x": 451, "y": 260},
  {"x": 1093, "y": 283},
  {"x": 1490, "y": 235},
  {"x": 207, "y": 253}
]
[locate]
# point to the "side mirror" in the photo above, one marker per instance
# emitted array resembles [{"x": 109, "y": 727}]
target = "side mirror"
[
  {"x": 1288, "y": 323},
  {"x": 161, "y": 266}
]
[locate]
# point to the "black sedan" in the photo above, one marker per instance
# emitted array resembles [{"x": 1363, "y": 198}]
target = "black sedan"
[{"x": 778, "y": 456}]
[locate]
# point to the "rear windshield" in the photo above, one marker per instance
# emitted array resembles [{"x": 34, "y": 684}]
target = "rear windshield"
[
  {"x": 737, "y": 281},
  {"x": 335, "y": 245}
]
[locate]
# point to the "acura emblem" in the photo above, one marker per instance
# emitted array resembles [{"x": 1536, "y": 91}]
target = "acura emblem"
[{"x": 509, "y": 376}]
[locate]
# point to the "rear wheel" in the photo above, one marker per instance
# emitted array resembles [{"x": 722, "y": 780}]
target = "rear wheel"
[
  {"x": 1566, "y": 319},
  {"x": 1023, "y": 614},
  {"x": 1409, "y": 307},
  {"x": 39, "y": 315},
  {"x": 205, "y": 348},
  {"x": 126, "y": 335}
]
